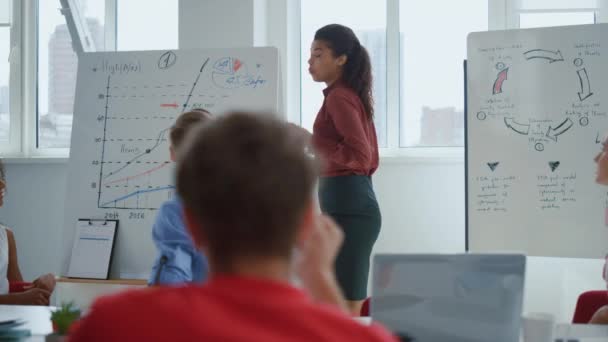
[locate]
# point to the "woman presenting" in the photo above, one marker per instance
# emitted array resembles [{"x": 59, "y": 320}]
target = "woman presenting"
[{"x": 344, "y": 137}]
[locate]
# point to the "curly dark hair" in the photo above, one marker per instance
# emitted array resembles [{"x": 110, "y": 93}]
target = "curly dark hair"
[{"x": 358, "y": 69}]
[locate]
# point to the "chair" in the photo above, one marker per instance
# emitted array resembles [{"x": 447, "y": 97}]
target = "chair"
[
  {"x": 365, "y": 308},
  {"x": 588, "y": 303}
]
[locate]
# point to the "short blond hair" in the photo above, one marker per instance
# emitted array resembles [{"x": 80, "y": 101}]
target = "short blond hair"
[{"x": 184, "y": 124}]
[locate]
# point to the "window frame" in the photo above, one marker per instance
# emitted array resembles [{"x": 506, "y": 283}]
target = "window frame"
[
  {"x": 393, "y": 152},
  {"x": 511, "y": 10},
  {"x": 15, "y": 78},
  {"x": 24, "y": 76},
  {"x": 502, "y": 14}
]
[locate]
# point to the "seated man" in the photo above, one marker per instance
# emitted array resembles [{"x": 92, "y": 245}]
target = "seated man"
[
  {"x": 247, "y": 187},
  {"x": 178, "y": 261}
]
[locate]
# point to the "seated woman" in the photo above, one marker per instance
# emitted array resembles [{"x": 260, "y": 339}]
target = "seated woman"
[
  {"x": 601, "y": 316},
  {"x": 178, "y": 260},
  {"x": 36, "y": 293}
]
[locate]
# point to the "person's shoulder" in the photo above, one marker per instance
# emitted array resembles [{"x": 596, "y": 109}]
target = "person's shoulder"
[
  {"x": 132, "y": 305},
  {"x": 341, "y": 95},
  {"x": 172, "y": 205},
  {"x": 342, "y": 91},
  {"x": 349, "y": 328},
  {"x": 130, "y": 315},
  {"x": 126, "y": 299},
  {"x": 7, "y": 231},
  {"x": 170, "y": 210}
]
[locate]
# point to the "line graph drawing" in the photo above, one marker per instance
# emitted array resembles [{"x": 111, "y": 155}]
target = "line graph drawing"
[
  {"x": 145, "y": 173},
  {"x": 133, "y": 169},
  {"x": 108, "y": 204},
  {"x": 160, "y": 137}
]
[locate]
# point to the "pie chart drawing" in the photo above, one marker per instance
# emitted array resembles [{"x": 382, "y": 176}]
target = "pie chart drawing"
[{"x": 229, "y": 73}]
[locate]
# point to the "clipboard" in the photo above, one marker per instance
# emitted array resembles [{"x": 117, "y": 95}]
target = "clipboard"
[{"x": 93, "y": 249}]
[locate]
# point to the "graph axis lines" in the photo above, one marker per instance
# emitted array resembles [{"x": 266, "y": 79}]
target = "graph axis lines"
[{"x": 103, "y": 143}]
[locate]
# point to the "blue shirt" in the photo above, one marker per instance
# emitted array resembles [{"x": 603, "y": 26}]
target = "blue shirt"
[{"x": 178, "y": 259}]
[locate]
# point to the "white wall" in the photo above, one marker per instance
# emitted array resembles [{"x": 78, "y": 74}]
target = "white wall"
[
  {"x": 422, "y": 204},
  {"x": 221, "y": 23},
  {"x": 33, "y": 208}
]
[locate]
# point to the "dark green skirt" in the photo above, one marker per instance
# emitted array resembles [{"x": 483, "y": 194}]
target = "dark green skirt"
[{"x": 351, "y": 202}]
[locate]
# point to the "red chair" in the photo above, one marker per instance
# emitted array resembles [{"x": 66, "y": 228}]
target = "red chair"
[
  {"x": 365, "y": 308},
  {"x": 588, "y": 303}
]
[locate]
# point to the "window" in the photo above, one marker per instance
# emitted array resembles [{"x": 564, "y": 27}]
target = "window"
[
  {"x": 556, "y": 4},
  {"x": 531, "y": 20},
  {"x": 425, "y": 50},
  {"x": 156, "y": 30},
  {"x": 545, "y": 13},
  {"x": 39, "y": 123},
  {"x": 368, "y": 20},
  {"x": 57, "y": 67},
  {"x": 5, "y": 48},
  {"x": 433, "y": 36}
]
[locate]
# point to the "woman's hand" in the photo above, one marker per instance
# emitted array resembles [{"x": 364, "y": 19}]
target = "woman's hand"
[
  {"x": 45, "y": 282},
  {"x": 33, "y": 296}
]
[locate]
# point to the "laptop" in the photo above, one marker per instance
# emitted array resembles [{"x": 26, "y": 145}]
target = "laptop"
[{"x": 451, "y": 298}]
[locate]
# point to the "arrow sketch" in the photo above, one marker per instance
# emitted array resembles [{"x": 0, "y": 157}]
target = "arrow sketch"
[
  {"x": 551, "y": 56},
  {"x": 553, "y": 165},
  {"x": 500, "y": 79},
  {"x": 553, "y": 133},
  {"x": 517, "y": 127},
  {"x": 585, "y": 84}
]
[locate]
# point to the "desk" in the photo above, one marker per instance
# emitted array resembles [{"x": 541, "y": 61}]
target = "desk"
[
  {"x": 84, "y": 291},
  {"x": 37, "y": 318},
  {"x": 565, "y": 332},
  {"x": 134, "y": 282},
  {"x": 581, "y": 332}
]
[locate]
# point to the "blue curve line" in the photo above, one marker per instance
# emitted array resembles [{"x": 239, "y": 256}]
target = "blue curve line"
[{"x": 137, "y": 193}]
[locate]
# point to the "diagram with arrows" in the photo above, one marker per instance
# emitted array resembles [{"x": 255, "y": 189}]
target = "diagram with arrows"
[{"x": 539, "y": 128}]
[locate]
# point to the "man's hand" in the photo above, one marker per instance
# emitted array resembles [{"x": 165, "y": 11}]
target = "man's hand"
[
  {"x": 300, "y": 133},
  {"x": 316, "y": 263}
]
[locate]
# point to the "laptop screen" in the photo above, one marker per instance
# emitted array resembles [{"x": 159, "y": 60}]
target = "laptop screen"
[{"x": 456, "y": 298}]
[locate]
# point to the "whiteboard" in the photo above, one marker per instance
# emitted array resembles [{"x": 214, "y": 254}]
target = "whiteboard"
[
  {"x": 119, "y": 165},
  {"x": 536, "y": 114}
]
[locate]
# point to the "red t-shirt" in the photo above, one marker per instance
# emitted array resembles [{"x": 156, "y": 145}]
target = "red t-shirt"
[
  {"x": 224, "y": 309},
  {"x": 343, "y": 135}
]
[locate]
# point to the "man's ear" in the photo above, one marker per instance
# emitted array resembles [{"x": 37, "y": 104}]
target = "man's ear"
[
  {"x": 195, "y": 229},
  {"x": 307, "y": 224},
  {"x": 172, "y": 153}
]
